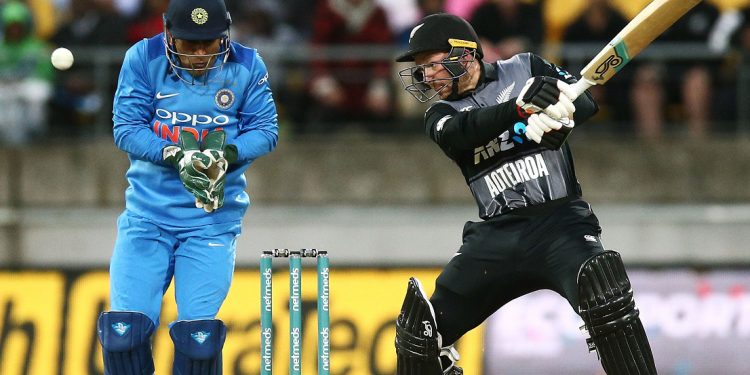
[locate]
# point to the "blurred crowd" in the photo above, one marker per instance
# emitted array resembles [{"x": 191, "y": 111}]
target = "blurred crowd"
[{"x": 324, "y": 84}]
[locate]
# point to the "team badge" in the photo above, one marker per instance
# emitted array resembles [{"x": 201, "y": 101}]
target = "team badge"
[
  {"x": 121, "y": 328},
  {"x": 224, "y": 98},
  {"x": 199, "y": 16},
  {"x": 200, "y": 336}
]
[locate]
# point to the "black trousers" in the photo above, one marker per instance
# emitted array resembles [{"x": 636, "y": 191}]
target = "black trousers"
[{"x": 506, "y": 257}]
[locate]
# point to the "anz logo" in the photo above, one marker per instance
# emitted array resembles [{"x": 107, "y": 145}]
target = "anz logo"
[
  {"x": 504, "y": 142},
  {"x": 519, "y": 129}
]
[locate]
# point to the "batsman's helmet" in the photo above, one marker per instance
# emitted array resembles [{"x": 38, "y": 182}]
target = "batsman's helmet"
[
  {"x": 439, "y": 33},
  {"x": 196, "y": 20},
  {"x": 436, "y": 32}
]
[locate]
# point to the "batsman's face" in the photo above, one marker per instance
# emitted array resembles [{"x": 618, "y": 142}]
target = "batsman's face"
[
  {"x": 198, "y": 55},
  {"x": 435, "y": 74}
]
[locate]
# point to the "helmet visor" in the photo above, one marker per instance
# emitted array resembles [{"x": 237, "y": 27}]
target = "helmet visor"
[
  {"x": 415, "y": 83},
  {"x": 187, "y": 66}
]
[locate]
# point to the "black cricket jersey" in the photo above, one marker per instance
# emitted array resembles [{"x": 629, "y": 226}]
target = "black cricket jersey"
[{"x": 484, "y": 134}]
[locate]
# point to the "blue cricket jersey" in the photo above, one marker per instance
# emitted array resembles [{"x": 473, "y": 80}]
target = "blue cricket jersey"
[{"x": 152, "y": 105}]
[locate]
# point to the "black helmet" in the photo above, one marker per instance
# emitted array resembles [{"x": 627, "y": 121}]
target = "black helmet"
[
  {"x": 441, "y": 32},
  {"x": 197, "y": 19}
]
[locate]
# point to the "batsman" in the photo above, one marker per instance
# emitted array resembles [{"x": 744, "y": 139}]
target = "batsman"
[
  {"x": 192, "y": 110},
  {"x": 505, "y": 124}
]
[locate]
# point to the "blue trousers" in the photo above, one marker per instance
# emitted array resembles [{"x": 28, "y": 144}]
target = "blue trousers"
[{"x": 147, "y": 256}]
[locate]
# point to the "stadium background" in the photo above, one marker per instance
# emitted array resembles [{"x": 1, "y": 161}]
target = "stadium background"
[{"x": 387, "y": 206}]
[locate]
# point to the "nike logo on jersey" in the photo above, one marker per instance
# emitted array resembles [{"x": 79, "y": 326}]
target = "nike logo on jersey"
[{"x": 159, "y": 95}]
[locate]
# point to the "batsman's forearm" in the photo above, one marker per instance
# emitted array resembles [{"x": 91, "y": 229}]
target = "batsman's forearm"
[
  {"x": 140, "y": 142},
  {"x": 467, "y": 130}
]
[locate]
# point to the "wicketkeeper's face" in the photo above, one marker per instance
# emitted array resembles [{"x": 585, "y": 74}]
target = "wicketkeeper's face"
[{"x": 197, "y": 55}]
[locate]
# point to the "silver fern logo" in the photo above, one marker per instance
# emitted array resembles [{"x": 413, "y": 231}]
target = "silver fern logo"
[
  {"x": 504, "y": 95},
  {"x": 414, "y": 31}
]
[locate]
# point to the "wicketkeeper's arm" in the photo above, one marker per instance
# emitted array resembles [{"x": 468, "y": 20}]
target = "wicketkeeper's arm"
[
  {"x": 133, "y": 109},
  {"x": 258, "y": 125}
]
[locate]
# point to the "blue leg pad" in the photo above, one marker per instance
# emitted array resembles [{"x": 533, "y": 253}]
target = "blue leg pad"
[
  {"x": 126, "y": 345},
  {"x": 198, "y": 345}
]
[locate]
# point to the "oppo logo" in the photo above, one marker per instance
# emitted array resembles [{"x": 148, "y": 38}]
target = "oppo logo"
[{"x": 186, "y": 118}]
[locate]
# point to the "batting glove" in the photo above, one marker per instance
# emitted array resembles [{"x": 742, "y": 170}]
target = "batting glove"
[
  {"x": 548, "y": 95},
  {"x": 548, "y": 132}
]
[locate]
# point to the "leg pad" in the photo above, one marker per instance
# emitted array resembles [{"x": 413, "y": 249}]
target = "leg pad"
[
  {"x": 418, "y": 343},
  {"x": 198, "y": 345},
  {"x": 608, "y": 310},
  {"x": 126, "y": 345}
]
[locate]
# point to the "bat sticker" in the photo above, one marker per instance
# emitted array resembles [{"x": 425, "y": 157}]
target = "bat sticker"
[{"x": 613, "y": 61}]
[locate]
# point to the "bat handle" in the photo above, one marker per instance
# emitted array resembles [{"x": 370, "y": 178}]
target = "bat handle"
[{"x": 581, "y": 86}]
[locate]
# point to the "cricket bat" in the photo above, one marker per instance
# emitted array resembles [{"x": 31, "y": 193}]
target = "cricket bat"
[{"x": 651, "y": 22}]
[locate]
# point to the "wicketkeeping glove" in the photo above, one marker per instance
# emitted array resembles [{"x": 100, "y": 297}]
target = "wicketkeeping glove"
[
  {"x": 220, "y": 155},
  {"x": 191, "y": 163},
  {"x": 548, "y": 95},
  {"x": 548, "y": 132}
]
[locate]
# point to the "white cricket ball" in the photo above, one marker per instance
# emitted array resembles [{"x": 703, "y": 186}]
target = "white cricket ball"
[{"x": 62, "y": 58}]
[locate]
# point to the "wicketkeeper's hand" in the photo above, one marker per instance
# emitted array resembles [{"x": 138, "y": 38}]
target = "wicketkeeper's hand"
[
  {"x": 220, "y": 155},
  {"x": 191, "y": 163},
  {"x": 548, "y": 95},
  {"x": 548, "y": 132}
]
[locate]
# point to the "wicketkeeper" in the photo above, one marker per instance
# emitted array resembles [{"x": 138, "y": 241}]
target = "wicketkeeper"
[
  {"x": 505, "y": 125},
  {"x": 192, "y": 110}
]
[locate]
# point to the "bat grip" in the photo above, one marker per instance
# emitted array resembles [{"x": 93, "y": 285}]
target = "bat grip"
[{"x": 581, "y": 86}]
